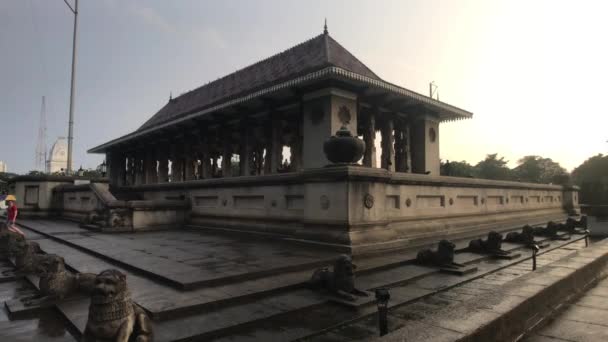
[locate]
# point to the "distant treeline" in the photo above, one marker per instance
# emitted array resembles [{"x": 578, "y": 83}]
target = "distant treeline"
[{"x": 591, "y": 175}]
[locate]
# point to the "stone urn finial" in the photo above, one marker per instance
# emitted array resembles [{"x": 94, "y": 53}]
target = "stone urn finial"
[{"x": 344, "y": 148}]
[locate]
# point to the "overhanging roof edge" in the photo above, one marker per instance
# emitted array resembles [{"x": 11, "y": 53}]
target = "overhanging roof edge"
[{"x": 456, "y": 113}]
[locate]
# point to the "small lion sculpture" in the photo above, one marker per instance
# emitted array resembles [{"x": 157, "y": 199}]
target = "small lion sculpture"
[
  {"x": 56, "y": 283},
  {"x": 572, "y": 225},
  {"x": 8, "y": 240},
  {"x": 340, "y": 282},
  {"x": 493, "y": 245},
  {"x": 112, "y": 314},
  {"x": 27, "y": 255},
  {"x": 443, "y": 257},
  {"x": 526, "y": 236}
]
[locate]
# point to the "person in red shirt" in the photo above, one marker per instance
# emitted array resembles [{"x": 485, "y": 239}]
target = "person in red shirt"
[{"x": 11, "y": 215}]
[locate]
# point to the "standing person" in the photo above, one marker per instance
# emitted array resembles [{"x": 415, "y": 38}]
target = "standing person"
[{"x": 11, "y": 215}]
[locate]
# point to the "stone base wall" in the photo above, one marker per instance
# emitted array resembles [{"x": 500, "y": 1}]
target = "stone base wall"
[{"x": 361, "y": 209}]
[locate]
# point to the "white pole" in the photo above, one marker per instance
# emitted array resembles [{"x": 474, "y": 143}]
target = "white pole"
[{"x": 72, "y": 90}]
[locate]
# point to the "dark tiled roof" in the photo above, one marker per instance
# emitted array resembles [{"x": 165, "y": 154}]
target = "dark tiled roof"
[{"x": 314, "y": 54}]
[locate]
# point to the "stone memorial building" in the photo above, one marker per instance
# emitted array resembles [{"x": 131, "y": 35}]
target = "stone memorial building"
[{"x": 246, "y": 152}]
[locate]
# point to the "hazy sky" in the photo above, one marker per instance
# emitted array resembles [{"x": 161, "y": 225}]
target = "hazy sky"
[{"x": 532, "y": 72}]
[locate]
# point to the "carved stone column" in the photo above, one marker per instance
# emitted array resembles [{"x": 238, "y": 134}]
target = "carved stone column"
[
  {"x": 205, "y": 158},
  {"x": 150, "y": 166},
  {"x": 138, "y": 167},
  {"x": 177, "y": 162},
  {"x": 369, "y": 136},
  {"x": 131, "y": 169},
  {"x": 388, "y": 141},
  {"x": 296, "y": 146},
  {"x": 116, "y": 168},
  {"x": 226, "y": 152},
  {"x": 400, "y": 146},
  {"x": 188, "y": 161},
  {"x": 408, "y": 147},
  {"x": 276, "y": 149},
  {"x": 245, "y": 149},
  {"x": 163, "y": 164}
]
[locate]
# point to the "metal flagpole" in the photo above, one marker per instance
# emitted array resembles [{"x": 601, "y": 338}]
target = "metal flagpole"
[{"x": 72, "y": 88}]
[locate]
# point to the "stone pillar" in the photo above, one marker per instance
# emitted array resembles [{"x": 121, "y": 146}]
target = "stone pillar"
[
  {"x": 276, "y": 147},
  {"x": 324, "y": 112},
  {"x": 369, "y": 136},
  {"x": 401, "y": 154},
  {"x": 131, "y": 169},
  {"x": 296, "y": 147},
  {"x": 150, "y": 167},
  {"x": 245, "y": 149},
  {"x": 205, "y": 159},
  {"x": 425, "y": 145},
  {"x": 177, "y": 163},
  {"x": 163, "y": 165},
  {"x": 570, "y": 199},
  {"x": 116, "y": 168},
  {"x": 188, "y": 162},
  {"x": 226, "y": 152},
  {"x": 408, "y": 147},
  {"x": 388, "y": 141},
  {"x": 139, "y": 167}
]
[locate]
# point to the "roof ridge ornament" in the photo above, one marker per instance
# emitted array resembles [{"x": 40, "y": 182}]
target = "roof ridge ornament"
[{"x": 325, "y": 27}]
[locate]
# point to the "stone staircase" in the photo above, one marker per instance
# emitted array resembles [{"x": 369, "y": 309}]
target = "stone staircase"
[{"x": 271, "y": 305}]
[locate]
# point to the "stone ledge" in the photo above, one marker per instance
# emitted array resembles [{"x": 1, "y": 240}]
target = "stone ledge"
[{"x": 345, "y": 173}]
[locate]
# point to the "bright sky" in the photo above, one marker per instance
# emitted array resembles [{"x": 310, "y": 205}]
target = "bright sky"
[{"x": 532, "y": 72}]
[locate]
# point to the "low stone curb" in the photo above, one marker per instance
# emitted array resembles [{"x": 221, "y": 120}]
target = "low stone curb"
[{"x": 510, "y": 311}]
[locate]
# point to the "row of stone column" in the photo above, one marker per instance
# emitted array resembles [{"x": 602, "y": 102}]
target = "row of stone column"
[
  {"x": 395, "y": 144},
  {"x": 191, "y": 156}
]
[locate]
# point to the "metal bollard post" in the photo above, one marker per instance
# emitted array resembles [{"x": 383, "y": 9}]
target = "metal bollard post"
[
  {"x": 382, "y": 297},
  {"x": 535, "y": 250}
]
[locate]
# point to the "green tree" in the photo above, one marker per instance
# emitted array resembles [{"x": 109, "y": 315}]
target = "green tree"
[
  {"x": 457, "y": 169},
  {"x": 537, "y": 169},
  {"x": 493, "y": 168},
  {"x": 592, "y": 177},
  {"x": 5, "y": 177}
]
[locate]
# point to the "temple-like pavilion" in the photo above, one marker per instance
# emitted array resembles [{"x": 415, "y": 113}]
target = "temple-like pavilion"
[
  {"x": 246, "y": 153},
  {"x": 241, "y": 124}
]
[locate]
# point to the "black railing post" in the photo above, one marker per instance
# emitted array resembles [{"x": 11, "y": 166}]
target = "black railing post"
[
  {"x": 382, "y": 297},
  {"x": 535, "y": 250}
]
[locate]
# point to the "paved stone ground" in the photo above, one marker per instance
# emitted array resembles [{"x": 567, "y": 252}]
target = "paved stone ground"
[
  {"x": 269, "y": 307},
  {"x": 586, "y": 320},
  {"x": 187, "y": 258}
]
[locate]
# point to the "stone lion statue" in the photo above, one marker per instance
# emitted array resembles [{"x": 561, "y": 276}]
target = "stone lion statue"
[
  {"x": 526, "y": 236},
  {"x": 340, "y": 281},
  {"x": 443, "y": 257},
  {"x": 572, "y": 225},
  {"x": 7, "y": 239},
  {"x": 112, "y": 314},
  {"x": 27, "y": 254},
  {"x": 56, "y": 282},
  {"x": 493, "y": 244},
  {"x": 549, "y": 231}
]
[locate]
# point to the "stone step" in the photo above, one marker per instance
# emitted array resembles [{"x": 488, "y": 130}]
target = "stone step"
[
  {"x": 215, "y": 312},
  {"x": 302, "y": 325},
  {"x": 295, "y": 308}
]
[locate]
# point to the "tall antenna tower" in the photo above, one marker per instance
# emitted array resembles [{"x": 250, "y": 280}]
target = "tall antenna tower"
[{"x": 41, "y": 143}]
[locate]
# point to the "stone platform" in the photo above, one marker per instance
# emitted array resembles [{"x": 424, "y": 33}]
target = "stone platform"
[{"x": 270, "y": 305}]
